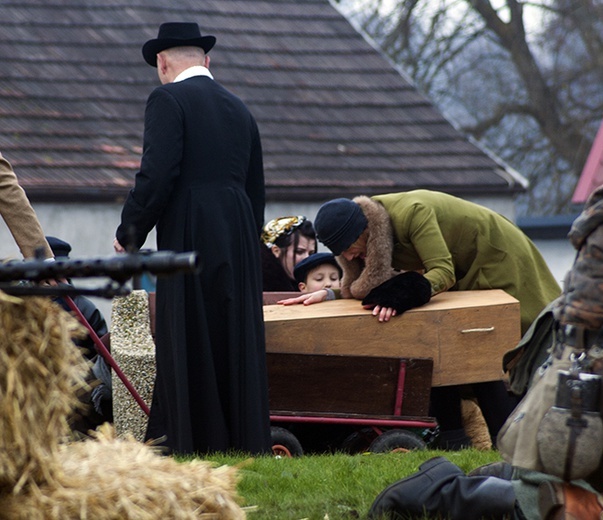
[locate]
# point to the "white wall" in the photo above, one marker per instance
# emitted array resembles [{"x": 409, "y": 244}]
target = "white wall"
[
  {"x": 559, "y": 255},
  {"x": 90, "y": 229}
]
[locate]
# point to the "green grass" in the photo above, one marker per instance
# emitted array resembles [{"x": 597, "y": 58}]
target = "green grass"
[{"x": 330, "y": 486}]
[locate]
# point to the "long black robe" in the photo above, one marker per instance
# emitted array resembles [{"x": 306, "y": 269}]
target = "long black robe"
[{"x": 201, "y": 183}]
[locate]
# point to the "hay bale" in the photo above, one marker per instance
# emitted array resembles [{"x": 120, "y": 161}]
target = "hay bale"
[
  {"x": 108, "y": 478},
  {"x": 41, "y": 372},
  {"x": 133, "y": 349},
  {"x": 475, "y": 425},
  {"x": 45, "y": 477}
]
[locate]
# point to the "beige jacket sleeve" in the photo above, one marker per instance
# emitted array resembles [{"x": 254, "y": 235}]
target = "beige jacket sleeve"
[{"x": 18, "y": 214}]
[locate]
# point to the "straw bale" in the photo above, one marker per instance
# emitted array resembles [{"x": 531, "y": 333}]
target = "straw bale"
[
  {"x": 475, "y": 425},
  {"x": 121, "y": 478},
  {"x": 41, "y": 372},
  {"x": 45, "y": 477},
  {"x": 133, "y": 349}
]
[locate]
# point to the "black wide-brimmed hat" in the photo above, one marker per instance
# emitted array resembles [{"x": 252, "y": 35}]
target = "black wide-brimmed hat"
[{"x": 176, "y": 34}]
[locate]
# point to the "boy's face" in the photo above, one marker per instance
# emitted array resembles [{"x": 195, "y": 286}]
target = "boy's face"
[{"x": 325, "y": 276}]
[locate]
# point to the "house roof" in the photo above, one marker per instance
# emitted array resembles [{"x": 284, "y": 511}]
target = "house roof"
[
  {"x": 336, "y": 118},
  {"x": 547, "y": 227},
  {"x": 592, "y": 173}
]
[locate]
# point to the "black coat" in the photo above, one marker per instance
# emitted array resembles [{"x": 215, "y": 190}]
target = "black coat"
[
  {"x": 201, "y": 183},
  {"x": 275, "y": 278},
  {"x": 94, "y": 318}
]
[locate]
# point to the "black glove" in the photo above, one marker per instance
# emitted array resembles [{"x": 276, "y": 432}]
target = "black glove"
[{"x": 402, "y": 292}]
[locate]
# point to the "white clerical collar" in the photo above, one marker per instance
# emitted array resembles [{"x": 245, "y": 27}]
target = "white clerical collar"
[{"x": 197, "y": 70}]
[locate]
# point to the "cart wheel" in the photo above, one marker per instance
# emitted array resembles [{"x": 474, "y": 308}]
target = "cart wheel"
[
  {"x": 397, "y": 441},
  {"x": 284, "y": 443},
  {"x": 358, "y": 441}
]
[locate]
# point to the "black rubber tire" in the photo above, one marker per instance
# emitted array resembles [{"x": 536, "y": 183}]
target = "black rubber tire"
[
  {"x": 398, "y": 441},
  {"x": 284, "y": 443},
  {"x": 358, "y": 441}
]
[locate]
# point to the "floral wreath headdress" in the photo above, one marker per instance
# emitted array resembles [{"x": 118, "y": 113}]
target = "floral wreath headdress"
[{"x": 278, "y": 227}]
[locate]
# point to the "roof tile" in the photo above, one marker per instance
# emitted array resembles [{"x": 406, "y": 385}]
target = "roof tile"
[{"x": 336, "y": 118}]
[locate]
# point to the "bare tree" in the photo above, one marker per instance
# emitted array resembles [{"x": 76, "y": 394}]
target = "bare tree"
[{"x": 530, "y": 88}]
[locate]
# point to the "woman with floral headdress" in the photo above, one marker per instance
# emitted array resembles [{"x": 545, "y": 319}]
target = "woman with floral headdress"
[{"x": 287, "y": 241}]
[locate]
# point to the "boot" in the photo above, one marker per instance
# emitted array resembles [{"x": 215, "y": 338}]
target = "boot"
[
  {"x": 453, "y": 440},
  {"x": 441, "y": 488}
]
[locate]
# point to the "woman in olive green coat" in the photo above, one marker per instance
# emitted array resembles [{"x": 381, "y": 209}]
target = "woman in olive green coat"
[
  {"x": 464, "y": 246},
  {"x": 454, "y": 245}
]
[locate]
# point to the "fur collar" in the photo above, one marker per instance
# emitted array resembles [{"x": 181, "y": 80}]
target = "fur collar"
[{"x": 360, "y": 277}]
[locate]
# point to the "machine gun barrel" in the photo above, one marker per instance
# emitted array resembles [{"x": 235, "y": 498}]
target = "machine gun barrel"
[{"x": 120, "y": 267}]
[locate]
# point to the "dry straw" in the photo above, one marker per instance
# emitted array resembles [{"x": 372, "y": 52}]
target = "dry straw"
[
  {"x": 41, "y": 372},
  {"x": 43, "y": 476},
  {"x": 475, "y": 425}
]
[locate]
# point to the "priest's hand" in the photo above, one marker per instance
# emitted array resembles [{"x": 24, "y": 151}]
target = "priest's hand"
[{"x": 118, "y": 247}]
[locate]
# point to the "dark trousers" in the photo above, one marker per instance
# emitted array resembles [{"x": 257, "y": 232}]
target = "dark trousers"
[{"x": 495, "y": 402}]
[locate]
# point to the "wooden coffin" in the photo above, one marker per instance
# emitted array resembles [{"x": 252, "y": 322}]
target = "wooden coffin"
[{"x": 465, "y": 333}]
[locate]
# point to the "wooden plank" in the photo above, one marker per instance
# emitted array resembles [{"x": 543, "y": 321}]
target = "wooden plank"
[
  {"x": 272, "y": 297},
  {"x": 347, "y": 384},
  {"x": 466, "y": 333},
  {"x": 356, "y": 417}
]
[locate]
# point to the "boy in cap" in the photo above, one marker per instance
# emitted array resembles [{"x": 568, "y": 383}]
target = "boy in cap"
[{"x": 317, "y": 272}]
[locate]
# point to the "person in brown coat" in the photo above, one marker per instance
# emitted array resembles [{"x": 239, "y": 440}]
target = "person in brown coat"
[{"x": 19, "y": 216}]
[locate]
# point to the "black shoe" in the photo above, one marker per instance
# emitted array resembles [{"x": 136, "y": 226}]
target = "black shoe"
[
  {"x": 453, "y": 440},
  {"x": 502, "y": 470}
]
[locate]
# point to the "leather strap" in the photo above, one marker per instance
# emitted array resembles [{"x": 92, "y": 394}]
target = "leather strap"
[{"x": 563, "y": 501}]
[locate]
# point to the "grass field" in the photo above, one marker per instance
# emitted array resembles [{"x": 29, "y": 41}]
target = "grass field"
[{"x": 330, "y": 486}]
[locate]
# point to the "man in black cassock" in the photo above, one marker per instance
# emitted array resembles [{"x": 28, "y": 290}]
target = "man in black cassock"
[{"x": 201, "y": 183}]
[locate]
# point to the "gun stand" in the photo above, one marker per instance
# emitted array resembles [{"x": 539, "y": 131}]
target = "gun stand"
[{"x": 119, "y": 269}]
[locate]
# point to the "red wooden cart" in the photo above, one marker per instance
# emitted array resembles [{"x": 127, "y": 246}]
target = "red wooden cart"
[
  {"x": 334, "y": 363},
  {"x": 383, "y": 400}
]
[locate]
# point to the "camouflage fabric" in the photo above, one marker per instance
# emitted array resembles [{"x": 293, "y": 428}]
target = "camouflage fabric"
[{"x": 582, "y": 302}]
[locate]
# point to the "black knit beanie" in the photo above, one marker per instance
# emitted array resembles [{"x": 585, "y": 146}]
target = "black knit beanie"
[{"x": 339, "y": 223}]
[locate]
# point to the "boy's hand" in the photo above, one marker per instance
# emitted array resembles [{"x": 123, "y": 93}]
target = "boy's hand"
[{"x": 306, "y": 299}]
